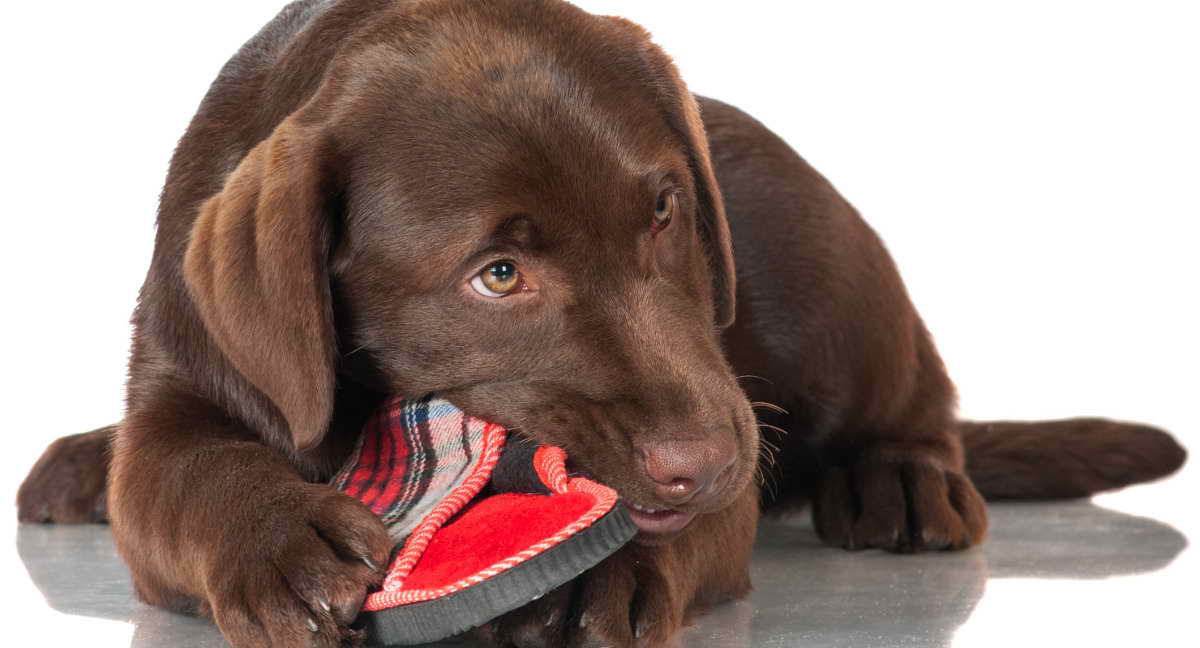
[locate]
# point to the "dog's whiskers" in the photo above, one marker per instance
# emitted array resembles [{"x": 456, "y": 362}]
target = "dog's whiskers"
[
  {"x": 768, "y": 444},
  {"x": 767, "y": 454},
  {"x": 771, "y": 406},
  {"x": 763, "y": 477},
  {"x": 782, "y": 432}
]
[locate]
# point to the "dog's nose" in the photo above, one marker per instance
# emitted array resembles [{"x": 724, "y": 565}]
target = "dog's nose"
[{"x": 684, "y": 470}]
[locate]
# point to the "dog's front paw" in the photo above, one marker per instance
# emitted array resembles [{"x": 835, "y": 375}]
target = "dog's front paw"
[
  {"x": 627, "y": 600},
  {"x": 297, "y": 575},
  {"x": 67, "y": 484},
  {"x": 903, "y": 503}
]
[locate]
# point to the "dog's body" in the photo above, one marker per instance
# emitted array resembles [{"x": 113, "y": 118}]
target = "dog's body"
[{"x": 355, "y": 159}]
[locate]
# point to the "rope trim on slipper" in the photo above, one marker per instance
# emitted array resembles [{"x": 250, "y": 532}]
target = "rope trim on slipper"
[
  {"x": 550, "y": 462},
  {"x": 606, "y": 498}
]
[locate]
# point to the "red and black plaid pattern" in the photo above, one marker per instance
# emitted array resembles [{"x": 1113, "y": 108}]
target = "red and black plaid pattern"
[
  {"x": 422, "y": 466},
  {"x": 411, "y": 455}
]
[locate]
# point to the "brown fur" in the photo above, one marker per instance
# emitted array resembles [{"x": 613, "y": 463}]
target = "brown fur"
[
  {"x": 321, "y": 220},
  {"x": 68, "y": 483}
]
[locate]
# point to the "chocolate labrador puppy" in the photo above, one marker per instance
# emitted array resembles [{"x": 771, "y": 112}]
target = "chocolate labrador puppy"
[{"x": 521, "y": 207}]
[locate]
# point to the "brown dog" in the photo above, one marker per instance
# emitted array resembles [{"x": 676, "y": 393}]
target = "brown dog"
[{"x": 516, "y": 204}]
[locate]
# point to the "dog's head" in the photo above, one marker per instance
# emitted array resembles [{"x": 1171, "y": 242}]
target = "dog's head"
[{"x": 510, "y": 204}]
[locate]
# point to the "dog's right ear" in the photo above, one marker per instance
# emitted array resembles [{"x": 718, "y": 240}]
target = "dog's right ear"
[{"x": 257, "y": 270}]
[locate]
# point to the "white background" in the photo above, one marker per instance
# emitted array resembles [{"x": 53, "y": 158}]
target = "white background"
[{"x": 1033, "y": 166}]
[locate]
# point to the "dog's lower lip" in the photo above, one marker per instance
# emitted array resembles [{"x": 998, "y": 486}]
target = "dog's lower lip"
[{"x": 659, "y": 521}]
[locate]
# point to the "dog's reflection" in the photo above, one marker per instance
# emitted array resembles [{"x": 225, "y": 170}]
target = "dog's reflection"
[{"x": 805, "y": 593}]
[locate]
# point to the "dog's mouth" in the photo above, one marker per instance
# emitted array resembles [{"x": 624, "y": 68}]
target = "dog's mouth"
[
  {"x": 655, "y": 524},
  {"x": 658, "y": 522}
]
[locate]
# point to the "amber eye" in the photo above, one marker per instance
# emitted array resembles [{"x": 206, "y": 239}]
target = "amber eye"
[
  {"x": 497, "y": 280},
  {"x": 664, "y": 210}
]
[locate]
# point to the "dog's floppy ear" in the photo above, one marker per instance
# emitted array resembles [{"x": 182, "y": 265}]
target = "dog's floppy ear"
[
  {"x": 714, "y": 226},
  {"x": 682, "y": 113},
  {"x": 256, "y": 268}
]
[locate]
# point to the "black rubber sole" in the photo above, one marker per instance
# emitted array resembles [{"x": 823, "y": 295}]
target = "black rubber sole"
[{"x": 418, "y": 623}]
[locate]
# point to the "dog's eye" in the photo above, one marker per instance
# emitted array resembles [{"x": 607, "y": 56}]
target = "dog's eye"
[
  {"x": 497, "y": 280},
  {"x": 664, "y": 210}
]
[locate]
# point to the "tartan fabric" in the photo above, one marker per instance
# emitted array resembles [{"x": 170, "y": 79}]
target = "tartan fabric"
[
  {"x": 411, "y": 455},
  {"x": 422, "y": 466}
]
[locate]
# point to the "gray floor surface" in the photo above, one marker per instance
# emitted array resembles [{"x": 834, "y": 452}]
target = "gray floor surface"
[{"x": 1075, "y": 570}]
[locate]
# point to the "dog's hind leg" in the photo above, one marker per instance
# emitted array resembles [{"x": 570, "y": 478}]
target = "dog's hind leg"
[
  {"x": 68, "y": 484},
  {"x": 858, "y": 410},
  {"x": 825, "y": 330}
]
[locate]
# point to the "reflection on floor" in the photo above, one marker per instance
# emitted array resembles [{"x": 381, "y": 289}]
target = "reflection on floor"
[{"x": 806, "y": 594}]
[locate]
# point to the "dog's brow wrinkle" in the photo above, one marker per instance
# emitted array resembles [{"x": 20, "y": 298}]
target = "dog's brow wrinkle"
[{"x": 519, "y": 229}]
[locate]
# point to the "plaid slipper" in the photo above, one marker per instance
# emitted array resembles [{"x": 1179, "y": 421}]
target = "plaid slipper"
[{"x": 481, "y": 527}]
